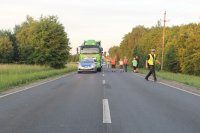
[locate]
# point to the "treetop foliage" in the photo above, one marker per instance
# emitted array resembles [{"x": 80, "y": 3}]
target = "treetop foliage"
[
  {"x": 42, "y": 41},
  {"x": 182, "y": 46}
]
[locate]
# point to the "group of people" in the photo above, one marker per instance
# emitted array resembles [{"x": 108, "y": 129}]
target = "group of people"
[
  {"x": 123, "y": 64},
  {"x": 151, "y": 60}
]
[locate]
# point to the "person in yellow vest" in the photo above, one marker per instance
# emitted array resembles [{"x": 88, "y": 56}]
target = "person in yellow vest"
[{"x": 150, "y": 64}]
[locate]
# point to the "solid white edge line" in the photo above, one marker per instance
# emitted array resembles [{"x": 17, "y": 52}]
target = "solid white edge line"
[
  {"x": 106, "y": 112},
  {"x": 173, "y": 87},
  {"x": 27, "y": 88},
  {"x": 179, "y": 89}
]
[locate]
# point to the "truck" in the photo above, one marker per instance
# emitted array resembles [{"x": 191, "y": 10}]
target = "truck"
[{"x": 92, "y": 49}]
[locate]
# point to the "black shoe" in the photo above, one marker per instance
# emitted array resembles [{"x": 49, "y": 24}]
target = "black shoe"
[
  {"x": 155, "y": 80},
  {"x": 146, "y": 79}
]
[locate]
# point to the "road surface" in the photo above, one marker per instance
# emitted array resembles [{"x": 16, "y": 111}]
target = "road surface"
[{"x": 106, "y": 102}]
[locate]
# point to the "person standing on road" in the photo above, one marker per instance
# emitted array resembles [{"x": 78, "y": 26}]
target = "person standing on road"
[
  {"x": 113, "y": 62},
  {"x": 125, "y": 63},
  {"x": 134, "y": 64},
  {"x": 121, "y": 65},
  {"x": 150, "y": 64},
  {"x": 137, "y": 67},
  {"x": 108, "y": 63}
]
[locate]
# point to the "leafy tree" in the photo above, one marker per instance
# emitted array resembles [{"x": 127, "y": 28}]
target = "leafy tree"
[
  {"x": 50, "y": 43},
  {"x": 42, "y": 41},
  {"x": 171, "y": 63},
  {"x": 6, "y": 48},
  {"x": 114, "y": 52},
  {"x": 181, "y": 46},
  {"x": 24, "y": 40},
  {"x": 73, "y": 58}
]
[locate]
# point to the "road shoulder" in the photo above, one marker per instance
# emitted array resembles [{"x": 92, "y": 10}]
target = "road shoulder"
[
  {"x": 32, "y": 84},
  {"x": 176, "y": 85}
]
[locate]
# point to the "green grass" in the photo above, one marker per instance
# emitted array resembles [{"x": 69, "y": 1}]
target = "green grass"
[
  {"x": 12, "y": 75},
  {"x": 181, "y": 78}
]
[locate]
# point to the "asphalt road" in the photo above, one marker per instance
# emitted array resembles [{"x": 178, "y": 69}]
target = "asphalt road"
[{"x": 106, "y": 102}]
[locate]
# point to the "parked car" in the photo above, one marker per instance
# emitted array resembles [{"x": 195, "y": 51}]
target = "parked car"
[{"x": 87, "y": 65}]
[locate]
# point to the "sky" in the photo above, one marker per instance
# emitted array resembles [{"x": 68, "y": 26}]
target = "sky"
[{"x": 105, "y": 20}]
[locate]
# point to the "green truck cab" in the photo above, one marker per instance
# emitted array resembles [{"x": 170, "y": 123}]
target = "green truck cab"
[{"x": 92, "y": 49}]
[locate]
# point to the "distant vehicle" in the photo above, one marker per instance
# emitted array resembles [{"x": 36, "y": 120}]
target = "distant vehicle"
[
  {"x": 87, "y": 65},
  {"x": 92, "y": 49}
]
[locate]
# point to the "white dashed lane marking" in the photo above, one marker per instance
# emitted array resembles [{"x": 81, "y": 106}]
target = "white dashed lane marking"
[
  {"x": 106, "y": 112},
  {"x": 103, "y": 82}
]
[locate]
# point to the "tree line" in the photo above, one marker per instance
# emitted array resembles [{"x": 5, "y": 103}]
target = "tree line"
[
  {"x": 73, "y": 58},
  {"x": 182, "y": 46},
  {"x": 42, "y": 42}
]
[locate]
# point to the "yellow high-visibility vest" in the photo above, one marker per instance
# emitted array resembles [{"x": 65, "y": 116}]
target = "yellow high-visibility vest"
[{"x": 151, "y": 60}]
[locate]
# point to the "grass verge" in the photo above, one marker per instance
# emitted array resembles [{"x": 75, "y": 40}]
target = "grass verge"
[
  {"x": 12, "y": 75},
  {"x": 181, "y": 78}
]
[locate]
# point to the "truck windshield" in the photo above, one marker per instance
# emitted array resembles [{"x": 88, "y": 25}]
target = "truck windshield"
[{"x": 89, "y": 50}]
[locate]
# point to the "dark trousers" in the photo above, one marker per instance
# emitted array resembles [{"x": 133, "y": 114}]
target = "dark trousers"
[
  {"x": 151, "y": 71},
  {"x": 125, "y": 67}
]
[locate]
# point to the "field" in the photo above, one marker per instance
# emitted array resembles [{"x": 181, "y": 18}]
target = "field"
[
  {"x": 181, "y": 78},
  {"x": 15, "y": 75}
]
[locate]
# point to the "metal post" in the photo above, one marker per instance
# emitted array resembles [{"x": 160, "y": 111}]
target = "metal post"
[{"x": 163, "y": 42}]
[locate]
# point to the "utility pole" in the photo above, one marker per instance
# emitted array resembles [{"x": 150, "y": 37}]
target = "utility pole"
[{"x": 163, "y": 41}]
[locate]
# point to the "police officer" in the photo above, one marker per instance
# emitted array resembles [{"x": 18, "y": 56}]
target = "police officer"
[{"x": 150, "y": 64}]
